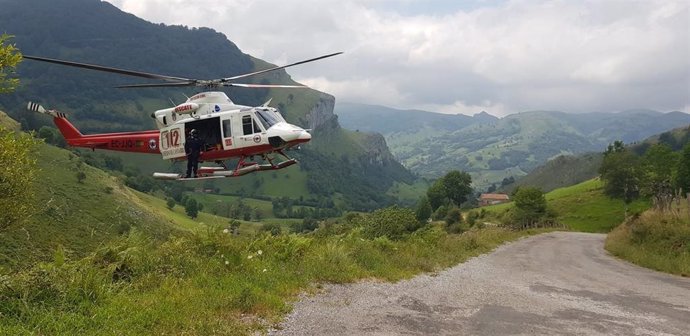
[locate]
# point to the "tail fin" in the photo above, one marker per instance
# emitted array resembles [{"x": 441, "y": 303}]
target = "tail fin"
[{"x": 66, "y": 128}]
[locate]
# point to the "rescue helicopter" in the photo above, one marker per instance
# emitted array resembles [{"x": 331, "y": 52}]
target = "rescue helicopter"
[{"x": 228, "y": 130}]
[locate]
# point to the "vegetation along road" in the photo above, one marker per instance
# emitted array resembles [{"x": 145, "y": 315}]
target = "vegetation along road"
[{"x": 553, "y": 283}]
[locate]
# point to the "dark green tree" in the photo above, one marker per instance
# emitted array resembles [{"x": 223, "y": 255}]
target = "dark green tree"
[
  {"x": 423, "y": 210},
  {"x": 658, "y": 165},
  {"x": 436, "y": 194},
  {"x": 622, "y": 176},
  {"x": 615, "y": 147},
  {"x": 530, "y": 206},
  {"x": 682, "y": 175},
  {"x": 170, "y": 203},
  {"x": 457, "y": 185},
  {"x": 191, "y": 208}
]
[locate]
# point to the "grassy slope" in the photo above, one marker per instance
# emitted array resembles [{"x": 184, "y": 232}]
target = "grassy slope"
[
  {"x": 212, "y": 283},
  {"x": 584, "y": 207},
  {"x": 83, "y": 216},
  {"x": 660, "y": 241},
  {"x": 79, "y": 216}
]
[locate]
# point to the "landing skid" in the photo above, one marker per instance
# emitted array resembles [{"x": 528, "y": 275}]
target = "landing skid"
[{"x": 243, "y": 168}]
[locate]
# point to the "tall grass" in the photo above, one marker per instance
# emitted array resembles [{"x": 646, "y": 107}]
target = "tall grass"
[
  {"x": 655, "y": 239},
  {"x": 211, "y": 282}
]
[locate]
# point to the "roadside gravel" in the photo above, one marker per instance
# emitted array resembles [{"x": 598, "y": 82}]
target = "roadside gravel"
[{"x": 556, "y": 283}]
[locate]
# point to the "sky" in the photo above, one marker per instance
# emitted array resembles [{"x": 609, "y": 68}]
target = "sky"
[{"x": 465, "y": 57}]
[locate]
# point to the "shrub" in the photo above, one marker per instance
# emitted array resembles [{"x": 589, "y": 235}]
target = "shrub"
[
  {"x": 392, "y": 222},
  {"x": 273, "y": 228},
  {"x": 454, "y": 221}
]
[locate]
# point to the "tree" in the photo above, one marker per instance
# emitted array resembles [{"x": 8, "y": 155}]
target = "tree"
[
  {"x": 454, "y": 187},
  {"x": 659, "y": 161},
  {"x": 17, "y": 173},
  {"x": 170, "y": 203},
  {"x": 658, "y": 165},
  {"x": 615, "y": 147},
  {"x": 436, "y": 194},
  {"x": 682, "y": 174},
  {"x": 621, "y": 173},
  {"x": 530, "y": 206},
  {"x": 457, "y": 185},
  {"x": 423, "y": 209},
  {"x": 191, "y": 208},
  {"x": 9, "y": 58}
]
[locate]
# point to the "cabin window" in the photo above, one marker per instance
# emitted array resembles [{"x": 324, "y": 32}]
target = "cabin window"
[
  {"x": 226, "y": 128},
  {"x": 249, "y": 126},
  {"x": 165, "y": 121}
]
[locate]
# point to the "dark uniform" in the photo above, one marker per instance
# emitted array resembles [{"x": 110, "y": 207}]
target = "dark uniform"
[{"x": 192, "y": 148}]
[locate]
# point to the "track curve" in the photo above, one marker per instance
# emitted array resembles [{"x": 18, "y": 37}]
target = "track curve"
[{"x": 553, "y": 283}]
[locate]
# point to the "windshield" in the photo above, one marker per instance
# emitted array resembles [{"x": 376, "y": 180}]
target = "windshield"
[{"x": 267, "y": 118}]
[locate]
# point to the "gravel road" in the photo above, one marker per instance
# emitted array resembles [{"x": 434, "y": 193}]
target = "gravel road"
[{"x": 556, "y": 283}]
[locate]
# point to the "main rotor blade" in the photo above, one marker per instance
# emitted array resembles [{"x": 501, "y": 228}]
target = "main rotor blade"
[
  {"x": 190, "y": 83},
  {"x": 280, "y": 67},
  {"x": 107, "y": 69},
  {"x": 264, "y": 86}
]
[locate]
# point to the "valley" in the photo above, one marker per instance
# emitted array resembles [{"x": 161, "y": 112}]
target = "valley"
[
  {"x": 492, "y": 148},
  {"x": 550, "y": 219}
]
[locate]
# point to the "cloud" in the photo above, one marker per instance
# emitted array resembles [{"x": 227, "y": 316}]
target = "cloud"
[{"x": 498, "y": 56}]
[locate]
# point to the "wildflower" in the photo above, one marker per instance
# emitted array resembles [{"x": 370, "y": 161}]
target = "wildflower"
[
  {"x": 259, "y": 252},
  {"x": 227, "y": 262},
  {"x": 226, "y": 231},
  {"x": 250, "y": 256},
  {"x": 264, "y": 270}
]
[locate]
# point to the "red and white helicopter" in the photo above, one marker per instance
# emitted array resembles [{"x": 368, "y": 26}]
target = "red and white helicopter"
[{"x": 228, "y": 130}]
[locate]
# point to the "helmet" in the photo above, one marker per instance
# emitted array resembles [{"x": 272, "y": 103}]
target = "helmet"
[{"x": 192, "y": 132}]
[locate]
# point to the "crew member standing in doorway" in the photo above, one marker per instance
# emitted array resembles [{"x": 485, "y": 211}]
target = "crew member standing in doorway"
[{"x": 192, "y": 148}]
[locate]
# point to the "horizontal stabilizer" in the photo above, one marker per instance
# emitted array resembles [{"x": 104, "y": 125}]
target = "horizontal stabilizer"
[{"x": 33, "y": 107}]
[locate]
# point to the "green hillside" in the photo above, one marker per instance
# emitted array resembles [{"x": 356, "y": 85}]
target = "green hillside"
[
  {"x": 78, "y": 216},
  {"x": 584, "y": 207},
  {"x": 82, "y": 216},
  {"x": 562, "y": 171},
  {"x": 567, "y": 170},
  {"x": 492, "y": 149}
]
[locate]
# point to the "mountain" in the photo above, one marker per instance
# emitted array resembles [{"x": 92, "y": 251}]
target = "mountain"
[
  {"x": 97, "y": 32},
  {"x": 568, "y": 170},
  {"x": 491, "y": 148}
]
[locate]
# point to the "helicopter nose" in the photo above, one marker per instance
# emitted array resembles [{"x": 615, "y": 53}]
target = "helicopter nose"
[{"x": 304, "y": 136}]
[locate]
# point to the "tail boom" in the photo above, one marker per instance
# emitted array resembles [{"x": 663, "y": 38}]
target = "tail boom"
[{"x": 138, "y": 142}]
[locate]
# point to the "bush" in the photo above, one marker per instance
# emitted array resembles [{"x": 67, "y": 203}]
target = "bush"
[
  {"x": 307, "y": 225},
  {"x": 17, "y": 171},
  {"x": 440, "y": 213},
  {"x": 392, "y": 222},
  {"x": 273, "y": 228},
  {"x": 454, "y": 221}
]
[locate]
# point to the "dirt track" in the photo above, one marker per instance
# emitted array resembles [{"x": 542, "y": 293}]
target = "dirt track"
[{"x": 555, "y": 283}]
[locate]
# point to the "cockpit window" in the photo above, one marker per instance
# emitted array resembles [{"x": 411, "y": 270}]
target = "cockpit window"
[
  {"x": 249, "y": 125},
  {"x": 267, "y": 118}
]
